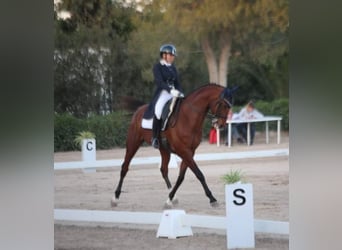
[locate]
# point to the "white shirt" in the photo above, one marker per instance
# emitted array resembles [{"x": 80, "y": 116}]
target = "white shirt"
[
  {"x": 163, "y": 62},
  {"x": 244, "y": 115}
]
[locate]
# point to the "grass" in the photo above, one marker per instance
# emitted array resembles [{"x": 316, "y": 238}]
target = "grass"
[
  {"x": 233, "y": 176},
  {"x": 83, "y": 135}
]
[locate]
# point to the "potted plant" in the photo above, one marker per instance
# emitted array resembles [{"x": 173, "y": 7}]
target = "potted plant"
[
  {"x": 234, "y": 176},
  {"x": 86, "y": 141}
]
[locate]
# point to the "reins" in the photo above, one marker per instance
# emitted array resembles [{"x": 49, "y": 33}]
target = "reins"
[
  {"x": 222, "y": 100},
  {"x": 211, "y": 115}
]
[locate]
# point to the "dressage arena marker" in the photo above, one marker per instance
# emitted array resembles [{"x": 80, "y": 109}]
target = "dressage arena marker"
[
  {"x": 240, "y": 215},
  {"x": 89, "y": 153},
  {"x": 92, "y": 165},
  {"x": 89, "y": 150}
]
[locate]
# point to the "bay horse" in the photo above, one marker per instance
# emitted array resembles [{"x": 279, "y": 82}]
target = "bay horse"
[{"x": 182, "y": 138}]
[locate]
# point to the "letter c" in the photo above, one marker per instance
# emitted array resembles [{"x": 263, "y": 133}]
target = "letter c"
[{"x": 89, "y": 148}]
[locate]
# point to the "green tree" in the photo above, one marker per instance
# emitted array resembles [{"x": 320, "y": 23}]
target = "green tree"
[
  {"x": 92, "y": 66},
  {"x": 77, "y": 86},
  {"x": 217, "y": 24},
  {"x": 152, "y": 30}
]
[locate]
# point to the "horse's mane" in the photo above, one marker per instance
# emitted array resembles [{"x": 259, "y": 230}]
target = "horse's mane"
[{"x": 201, "y": 87}]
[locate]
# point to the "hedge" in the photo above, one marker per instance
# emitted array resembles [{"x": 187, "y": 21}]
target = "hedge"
[
  {"x": 279, "y": 107},
  {"x": 66, "y": 127},
  {"x": 111, "y": 130}
]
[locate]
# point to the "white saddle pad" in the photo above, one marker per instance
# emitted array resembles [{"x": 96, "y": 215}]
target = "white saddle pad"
[{"x": 147, "y": 124}]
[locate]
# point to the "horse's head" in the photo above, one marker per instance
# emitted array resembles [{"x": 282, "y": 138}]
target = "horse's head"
[{"x": 222, "y": 107}]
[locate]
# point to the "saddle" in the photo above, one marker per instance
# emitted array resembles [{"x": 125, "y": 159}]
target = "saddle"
[{"x": 170, "y": 110}]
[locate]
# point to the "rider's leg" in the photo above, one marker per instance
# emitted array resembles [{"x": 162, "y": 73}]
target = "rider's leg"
[{"x": 156, "y": 126}]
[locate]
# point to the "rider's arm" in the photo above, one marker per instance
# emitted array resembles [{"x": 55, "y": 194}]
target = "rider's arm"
[{"x": 177, "y": 82}]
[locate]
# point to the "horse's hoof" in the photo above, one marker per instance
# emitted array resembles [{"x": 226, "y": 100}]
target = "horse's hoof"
[
  {"x": 168, "y": 204},
  {"x": 214, "y": 204},
  {"x": 175, "y": 201},
  {"x": 113, "y": 202}
]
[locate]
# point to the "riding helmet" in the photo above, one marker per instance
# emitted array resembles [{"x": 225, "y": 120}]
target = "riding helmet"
[{"x": 167, "y": 48}]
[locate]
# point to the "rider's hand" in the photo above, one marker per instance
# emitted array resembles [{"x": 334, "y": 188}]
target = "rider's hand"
[{"x": 176, "y": 93}]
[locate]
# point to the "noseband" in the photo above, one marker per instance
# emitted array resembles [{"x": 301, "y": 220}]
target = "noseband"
[{"x": 222, "y": 101}]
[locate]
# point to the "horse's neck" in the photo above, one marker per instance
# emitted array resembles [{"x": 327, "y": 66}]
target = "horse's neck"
[{"x": 201, "y": 99}]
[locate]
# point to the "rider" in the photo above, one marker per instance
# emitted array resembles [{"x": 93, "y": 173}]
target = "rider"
[{"x": 168, "y": 86}]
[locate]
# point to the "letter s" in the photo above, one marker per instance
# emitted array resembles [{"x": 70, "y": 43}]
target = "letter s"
[{"x": 243, "y": 199}]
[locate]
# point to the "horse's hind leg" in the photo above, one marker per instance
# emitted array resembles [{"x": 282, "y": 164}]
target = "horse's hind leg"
[
  {"x": 165, "y": 154},
  {"x": 131, "y": 148},
  {"x": 172, "y": 195}
]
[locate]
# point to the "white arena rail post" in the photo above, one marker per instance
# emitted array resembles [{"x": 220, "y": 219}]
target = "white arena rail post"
[{"x": 240, "y": 216}]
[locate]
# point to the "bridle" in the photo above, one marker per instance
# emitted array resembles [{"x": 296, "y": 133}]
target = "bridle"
[{"x": 222, "y": 102}]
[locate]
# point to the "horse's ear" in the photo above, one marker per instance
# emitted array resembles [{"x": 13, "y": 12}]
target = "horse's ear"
[
  {"x": 228, "y": 92},
  {"x": 225, "y": 93},
  {"x": 232, "y": 90}
]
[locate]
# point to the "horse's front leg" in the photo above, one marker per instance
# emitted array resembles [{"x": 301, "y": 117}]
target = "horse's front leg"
[
  {"x": 198, "y": 173},
  {"x": 115, "y": 198},
  {"x": 133, "y": 145}
]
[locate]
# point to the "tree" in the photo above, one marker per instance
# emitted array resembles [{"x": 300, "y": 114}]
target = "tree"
[
  {"x": 152, "y": 30},
  {"x": 92, "y": 66},
  {"x": 217, "y": 24}
]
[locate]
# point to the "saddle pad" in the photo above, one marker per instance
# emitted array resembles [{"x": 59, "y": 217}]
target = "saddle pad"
[{"x": 147, "y": 123}]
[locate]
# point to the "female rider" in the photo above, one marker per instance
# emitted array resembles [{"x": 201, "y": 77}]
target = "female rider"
[{"x": 167, "y": 86}]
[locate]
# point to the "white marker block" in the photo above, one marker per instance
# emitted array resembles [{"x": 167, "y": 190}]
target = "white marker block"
[
  {"x": 240, "y": 216},
  {"x": 171, "y": 225},
  {"x": 89, "y": 150}
]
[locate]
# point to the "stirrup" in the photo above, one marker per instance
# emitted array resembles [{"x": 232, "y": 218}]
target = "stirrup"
[{"x": 155, "y": 143}]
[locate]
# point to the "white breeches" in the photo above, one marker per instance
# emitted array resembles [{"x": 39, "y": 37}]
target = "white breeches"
[{"x": 163, "y": 98}]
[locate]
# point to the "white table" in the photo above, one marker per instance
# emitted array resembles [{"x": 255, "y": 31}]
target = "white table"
[{"x": 265, "y": 119}]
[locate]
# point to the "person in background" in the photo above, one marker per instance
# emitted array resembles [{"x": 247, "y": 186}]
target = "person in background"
[
  {"x": 247, "y": 113},
  {"x": 235, "y": 134}
]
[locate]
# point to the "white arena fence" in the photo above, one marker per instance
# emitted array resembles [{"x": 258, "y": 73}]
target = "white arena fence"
[
  {"x": 186, "y": 220},
  {"x": 156, "y": 159},
  {"x": 202, "y": 221}
]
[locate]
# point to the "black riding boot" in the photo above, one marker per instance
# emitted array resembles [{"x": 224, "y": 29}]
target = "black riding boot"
[{"x": 156, "y": 126}]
